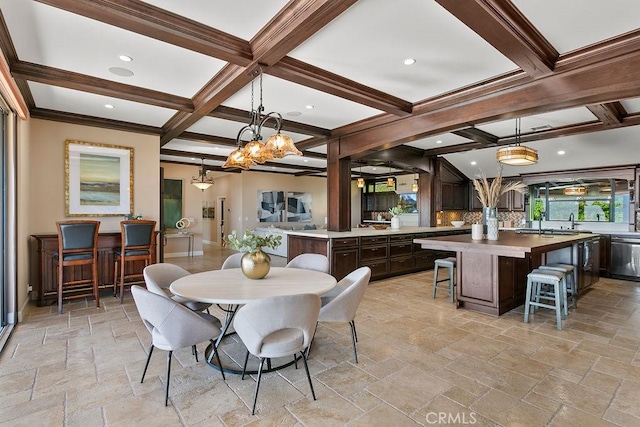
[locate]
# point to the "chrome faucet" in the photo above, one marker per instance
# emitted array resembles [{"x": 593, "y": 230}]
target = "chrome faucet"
[
  {"x": 542, "y": 214},
  {"x": 572, "y": 220}
]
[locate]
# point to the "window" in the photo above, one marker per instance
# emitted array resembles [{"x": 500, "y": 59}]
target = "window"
[{"x": 585, "y": 200}]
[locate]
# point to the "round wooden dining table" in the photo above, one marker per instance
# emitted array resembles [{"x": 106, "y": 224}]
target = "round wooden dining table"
[{"x": 230, "y": 288}]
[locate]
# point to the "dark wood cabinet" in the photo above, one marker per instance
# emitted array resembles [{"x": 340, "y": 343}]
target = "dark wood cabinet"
[
  {"x": 509, "y": 201},
  {"x": 42, "y": 268},
  {"x": 386, "y": 255},
  {"x": 379, "y": 202},
  {"x": 588, "y": 263},
  {"x": 344, "y": 256},
  {"x": 454, "y": 196},
  {"x": 374, "y": 252},
  {"x": 605, "y": 255}
]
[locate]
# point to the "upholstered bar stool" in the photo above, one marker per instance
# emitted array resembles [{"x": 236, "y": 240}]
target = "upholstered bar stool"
[
  {"x": 556, "y": 293},
  {"x": 138, "y": 240},
  {"x": 450, "y": 264},
  {"x": 569, "y": 278},
  {"x": 77, "y": 247}
]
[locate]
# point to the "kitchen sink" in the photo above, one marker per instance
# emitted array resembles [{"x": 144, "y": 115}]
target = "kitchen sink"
[{"x": 552, "y": 231}]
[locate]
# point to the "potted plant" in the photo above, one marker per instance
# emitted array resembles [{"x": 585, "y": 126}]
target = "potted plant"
[
  {"x": 395, "y": 212},
  {"x": 255, "y": 264}
]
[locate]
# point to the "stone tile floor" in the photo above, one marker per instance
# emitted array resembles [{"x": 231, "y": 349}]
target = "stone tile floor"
[{"x": 422, "y": 362}]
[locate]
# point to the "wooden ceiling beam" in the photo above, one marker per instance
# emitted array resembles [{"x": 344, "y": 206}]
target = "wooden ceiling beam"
[
  {"x": 292, "y": 26},
  {"x": 229, "y": 142},
  {"x": 311, "y": 143},
  {"x": 213, "y": 157},
  {"x": 503, "y": 26},
  {"x": 402, "y": 157},
  {"x": 298, "y": 21},
  {"x": 180, "y": 153},
  {"x": 81, "y": 82},
  {"x": 81, "y": 119},
  {"x": 208, "y": 139},
  {"x": 477, "y": 135},
  {"x": 304, "y": 74},
  {"x": 608, "y": 113},
  {"x": 243, "y": 116},
  {"x": 227, "y": 82},
  {"x": 563, "y": 131},
  {"x": 207, "y": 167},
  {"x": 151, "y": 21},
  {"x": 609, "y": 79}
]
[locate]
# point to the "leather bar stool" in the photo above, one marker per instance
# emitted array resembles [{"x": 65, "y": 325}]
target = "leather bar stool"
[
  {"x": 556, "y": 293},
  {"x": 568, "y": 271},
  {"x": 449, "y": 264},
  {"x": 138, "y": 240},
  {"x": 77, "y": 247}
]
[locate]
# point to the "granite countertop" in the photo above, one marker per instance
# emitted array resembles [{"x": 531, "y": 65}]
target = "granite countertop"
[{"x": 359, "y": 232}]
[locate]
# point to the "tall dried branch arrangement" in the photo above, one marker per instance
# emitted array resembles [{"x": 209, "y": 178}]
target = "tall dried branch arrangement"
[{"x": 489, "y": 192}]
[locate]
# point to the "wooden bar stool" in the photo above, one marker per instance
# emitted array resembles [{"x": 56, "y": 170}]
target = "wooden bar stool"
[
  {"x": 557, "y": 293},
  {"x": 569, "y": 278},
  {"x": 138, "y": 240},
  {"x": 450, "y": 264},
  {"x": 77, "y": 247}
]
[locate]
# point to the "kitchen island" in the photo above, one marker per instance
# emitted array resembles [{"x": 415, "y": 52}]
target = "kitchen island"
[
  {"x": 388, "y": 253},
  {"x": 491, "y": 276}
]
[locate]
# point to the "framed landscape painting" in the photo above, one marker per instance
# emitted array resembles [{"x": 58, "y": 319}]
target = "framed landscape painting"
[{"x": 99, "y": 179}]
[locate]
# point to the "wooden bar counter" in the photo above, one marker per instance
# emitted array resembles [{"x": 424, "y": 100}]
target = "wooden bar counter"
[
  {"x": 42, "y": 265},
  {"x": 491, "y": 276}
]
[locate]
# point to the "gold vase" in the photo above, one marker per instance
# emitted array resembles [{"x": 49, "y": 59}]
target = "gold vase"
[{"x": 256, "y": 264}]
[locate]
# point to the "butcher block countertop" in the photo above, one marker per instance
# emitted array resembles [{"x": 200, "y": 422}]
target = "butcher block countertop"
[{"x": 509, "y": 243}]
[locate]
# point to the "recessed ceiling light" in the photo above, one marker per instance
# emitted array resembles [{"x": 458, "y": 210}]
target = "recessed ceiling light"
[
  {"x": 294, "y": 113},
  {"x": 309, "y": 107},
  {"x": 473, "y": 163},
  {"x": 438, "y": 142},
  {"x": 375, "y": 169},
  {"x": 306, "y": 160},
  {"x": 273, "y": 167},
  {"x": 122, "y": 72},
  {"x": 109, "y": 106},
  {"x": 409, "y": 61},
  {"x": 125, "y": 58},
  {"x": 561, "y": 153}
]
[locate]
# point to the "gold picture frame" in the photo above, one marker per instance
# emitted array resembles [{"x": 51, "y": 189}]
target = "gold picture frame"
[{"x": 98, "y": 179}]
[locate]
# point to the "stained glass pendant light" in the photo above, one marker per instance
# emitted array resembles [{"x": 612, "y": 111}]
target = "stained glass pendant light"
[{"x": 277, "y": 146}]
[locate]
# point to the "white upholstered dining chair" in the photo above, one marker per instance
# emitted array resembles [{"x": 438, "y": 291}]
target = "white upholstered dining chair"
[
  {"x": 341, "y": 303},
  {"x": 277, "y": 327},
  {"x": 158, "y": 278},
  {"x": 172, "y": 326},
  {"x": 232, "y": 261},
  {"x": 316, "y": 262}
]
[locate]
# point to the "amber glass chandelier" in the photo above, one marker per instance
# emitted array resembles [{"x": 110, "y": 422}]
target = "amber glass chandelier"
[
  {"x": 277, "y": 146},
  {"x": 517, "y": 155}
]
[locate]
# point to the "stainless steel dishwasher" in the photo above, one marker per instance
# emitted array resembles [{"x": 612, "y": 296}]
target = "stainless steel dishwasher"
[{"x": 625, "y": 256}]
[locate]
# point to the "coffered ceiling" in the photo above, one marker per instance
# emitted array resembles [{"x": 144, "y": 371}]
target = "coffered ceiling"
[{"x": 334, "y": 70}]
